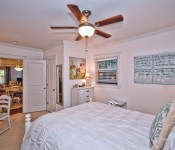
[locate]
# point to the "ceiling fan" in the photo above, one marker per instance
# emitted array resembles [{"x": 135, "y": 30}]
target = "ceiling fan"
[{"x": 85, "y": 28}]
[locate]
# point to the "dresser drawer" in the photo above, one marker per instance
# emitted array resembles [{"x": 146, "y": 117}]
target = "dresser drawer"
[
  {"x": 86, "y": 91},
  {"x": 86, "y": 100},
  {"x": 86, "y": 95},
  {"x": 82, "y": 95}
]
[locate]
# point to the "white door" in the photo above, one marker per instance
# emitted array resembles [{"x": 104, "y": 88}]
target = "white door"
[
  {"x": 51, "y": 85},
  {"x": 34, "y": 85}
]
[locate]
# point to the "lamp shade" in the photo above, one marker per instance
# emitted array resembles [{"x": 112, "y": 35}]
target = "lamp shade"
[
  {"x": 18, "y": 68},
  {"x": 87, "y": 76},
  {"x": 86, "y": 30}
]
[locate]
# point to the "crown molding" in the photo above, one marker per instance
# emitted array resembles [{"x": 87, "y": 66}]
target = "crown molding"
[
  {"x": 21, "y": 47},
  {"x": 58, "y": 43},
  {"x": 63, "y": 42},
  {"x": 136, "y": 37},
  {"x": 74, "y": 43}
]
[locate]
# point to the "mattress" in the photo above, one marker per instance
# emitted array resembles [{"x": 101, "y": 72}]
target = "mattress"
[{"x": 90, "y": 126}]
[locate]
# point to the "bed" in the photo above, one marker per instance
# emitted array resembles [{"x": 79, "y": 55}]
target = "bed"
[{"x": 90, "y": 126}]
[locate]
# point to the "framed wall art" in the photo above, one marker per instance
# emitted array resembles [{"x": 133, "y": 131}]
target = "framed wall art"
[
  {"x": 155, "y": 69},
  {"x": 143, "y": 66},
  {"x": 77, "y": 68},
  {"x": 164, "y": 68}
]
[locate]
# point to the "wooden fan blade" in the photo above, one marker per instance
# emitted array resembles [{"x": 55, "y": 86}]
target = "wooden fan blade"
[
  {"x": 111, "y": 20},
  {"x": 79, "y": 37},
  {"x": 103, "y": 34},
  {"x": 62, "y": 27},
  {"x": 77, "y": 13}
]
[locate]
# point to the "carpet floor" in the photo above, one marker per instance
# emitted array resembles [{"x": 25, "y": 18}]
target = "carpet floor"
[{"x": 12, "y": 139}]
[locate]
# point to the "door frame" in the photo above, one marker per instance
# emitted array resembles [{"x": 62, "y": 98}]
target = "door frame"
[{"x": 16, "y": 57}]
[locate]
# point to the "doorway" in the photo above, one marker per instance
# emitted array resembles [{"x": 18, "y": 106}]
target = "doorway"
[
  {"x": 11, "y": 82},
  {"x": 59, "y": 87}
]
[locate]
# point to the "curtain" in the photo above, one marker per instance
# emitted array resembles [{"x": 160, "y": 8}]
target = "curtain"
[{"x": 8, "y": 75}]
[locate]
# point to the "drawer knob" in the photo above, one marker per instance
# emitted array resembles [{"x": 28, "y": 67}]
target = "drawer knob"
[
  {"x": 87, "y": 96},
  {"x": 87, "y": 91}
]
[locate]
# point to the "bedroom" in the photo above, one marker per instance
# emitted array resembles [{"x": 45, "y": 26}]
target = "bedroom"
[{"x": 150, "y": 24}]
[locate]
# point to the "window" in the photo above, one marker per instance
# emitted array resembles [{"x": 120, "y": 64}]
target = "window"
[
  {"x": 2, "y": 75},
  {"x": 107, "y": 72}
]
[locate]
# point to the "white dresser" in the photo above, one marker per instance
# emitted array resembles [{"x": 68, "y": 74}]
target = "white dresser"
[{"x": 82, "y": 95}]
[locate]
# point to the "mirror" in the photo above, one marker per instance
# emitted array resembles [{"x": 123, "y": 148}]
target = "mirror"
[{"x": 59, "y": 85}]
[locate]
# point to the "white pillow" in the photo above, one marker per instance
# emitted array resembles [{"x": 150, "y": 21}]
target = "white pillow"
[{"x": 170, "y": 142}]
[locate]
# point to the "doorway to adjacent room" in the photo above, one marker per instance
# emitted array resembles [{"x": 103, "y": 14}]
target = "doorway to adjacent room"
[{"x": 11, "y": 82}]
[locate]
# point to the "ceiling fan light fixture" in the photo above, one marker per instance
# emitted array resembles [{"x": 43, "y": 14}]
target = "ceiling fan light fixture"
[{"x": 86, "y": 29}]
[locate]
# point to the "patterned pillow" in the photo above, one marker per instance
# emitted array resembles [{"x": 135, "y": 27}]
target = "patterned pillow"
[{"x": 162, "y": 125}]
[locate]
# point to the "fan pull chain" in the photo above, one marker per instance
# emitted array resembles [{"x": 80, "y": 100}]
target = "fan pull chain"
[{"x": 86, "y": 43}]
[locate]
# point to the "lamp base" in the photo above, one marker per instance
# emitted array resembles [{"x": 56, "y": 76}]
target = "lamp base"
[{"x": 87, "y": 82}]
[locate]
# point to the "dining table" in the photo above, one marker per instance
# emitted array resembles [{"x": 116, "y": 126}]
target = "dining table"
[{"x": 11, "y": 91}]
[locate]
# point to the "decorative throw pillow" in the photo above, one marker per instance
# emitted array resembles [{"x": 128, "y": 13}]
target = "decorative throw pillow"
[{"x": 162, "y": 125}]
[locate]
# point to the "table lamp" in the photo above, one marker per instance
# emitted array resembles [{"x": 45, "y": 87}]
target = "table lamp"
[{"x": 87, "y": 77}]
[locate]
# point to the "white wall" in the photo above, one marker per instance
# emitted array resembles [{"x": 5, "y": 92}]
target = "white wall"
[
  {"x": 142, "y": 97},
  {"x": 15, "y": 74},
  {"x": 71, "y": 50},
  {"x": 55, "y": 51},
  {"x": 12, "y": 51},
  {"x": 62, "y": 52}
]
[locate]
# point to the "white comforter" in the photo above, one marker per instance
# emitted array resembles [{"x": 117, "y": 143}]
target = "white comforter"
[{"x": 90, "y": 126}]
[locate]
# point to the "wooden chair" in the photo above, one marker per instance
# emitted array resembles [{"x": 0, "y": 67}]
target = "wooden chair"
[
  {"x": 17, "y": 97},
  {"x": 5, "y": 110}
]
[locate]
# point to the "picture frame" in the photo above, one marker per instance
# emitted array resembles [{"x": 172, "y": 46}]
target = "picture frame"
[
  {"x": 155, "y": 69},
  {"x": 77, "y": 68}
]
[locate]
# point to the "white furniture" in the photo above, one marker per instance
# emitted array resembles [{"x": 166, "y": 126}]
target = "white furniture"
[
  {"x": 27, "y": 122},
  {"x": 82, "y": 95},
  {"x": 90, "y": 126},
  {"x": 5, "y": 110}
]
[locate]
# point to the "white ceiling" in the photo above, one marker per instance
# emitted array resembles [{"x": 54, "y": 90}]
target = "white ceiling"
[{"x": 29, "y": 21}]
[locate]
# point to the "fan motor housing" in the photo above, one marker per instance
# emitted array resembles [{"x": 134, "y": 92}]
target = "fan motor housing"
[{"x": 87, "y": 13}]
